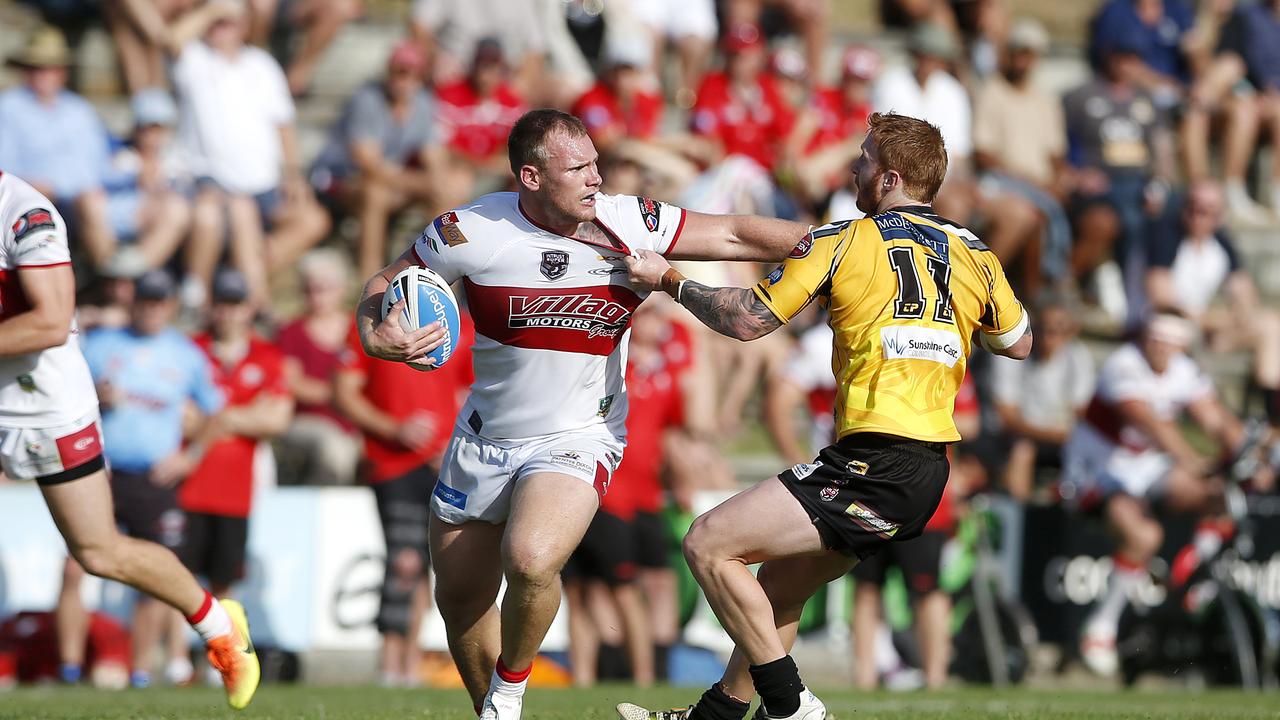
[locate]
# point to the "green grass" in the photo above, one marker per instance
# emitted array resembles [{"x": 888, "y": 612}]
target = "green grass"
[{"x": 341, "y": 703}]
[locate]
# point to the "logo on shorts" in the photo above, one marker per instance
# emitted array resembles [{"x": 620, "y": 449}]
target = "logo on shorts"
[
  {"x": 449, "y": 496},
  {"x": 871, "y": 522},
  {"x": 606, "y": 402},
  {"x": 857, "y": 467},
  {"x": 34, "y": 447},
  {"x": 829, "y": 493},
  {"x": 27, "y": 383},
  {"x": 575, "y": 460},
  {"x": 804, "y": 470},
  {"x": 84, "y": 442},
  {"x": 555, "y": 263}
]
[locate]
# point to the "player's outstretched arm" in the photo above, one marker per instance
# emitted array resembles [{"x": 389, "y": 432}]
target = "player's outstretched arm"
[
  {"x": 736, "y": 237},
  {"x": 384, "y": 338},
  {"x": 732, "y": 312},
  {"x": 50, "y": 292}
]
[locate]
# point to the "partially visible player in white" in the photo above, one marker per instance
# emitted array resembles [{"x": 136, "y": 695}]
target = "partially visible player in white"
[
  {"x": 544, "y": 273},
  {"x": 49, "y": 432},
  {"x": 1128, "y": 451}
]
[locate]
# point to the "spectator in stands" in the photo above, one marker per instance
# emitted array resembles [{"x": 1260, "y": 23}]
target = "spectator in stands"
[
  {"x": 742, "y": 107},
  {"x": 237, "y": 135},
  {"x": 452, "y": 31},
  {"x": 55, "y": 140},
  {"x": 928, "y": 91},
  {"x": 804, "y": 381},
  {"x": 139, "y": 29},
  {"x": 1020, "y": 144},
  {"x": 476, "y": 113},
  {"x": 1123, "y": 161},
  {"x": 688, "y": 25},
  {"x": 406, "y": 417},
  {"x": 378, "y": 157},
  {"x": 1039, "y": 401},
  {"x": 624, "y": 103},
  {"x": 145, "y": 188},
  {"x": 148, "y": 376},
  {"x": 320, "y": 447},
  {"x": 217, "y": 497},
  {"x": 319, "y": 21},
  {"x": 1192, "y": 265},
  {"x": 1156, "y": 32},
  {"x": 836, "y": 124},
  {"x": 1242, "y": 80},
  {"x": 808, "y": 19}
]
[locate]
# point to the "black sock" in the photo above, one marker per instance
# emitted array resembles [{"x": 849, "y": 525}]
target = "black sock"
[
  {"x": 779, "y": 686},
  {"x": 661, "y": 668},
  {"x": 716, "y": 704}
]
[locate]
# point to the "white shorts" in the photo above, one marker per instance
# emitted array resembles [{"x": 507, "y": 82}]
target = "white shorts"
[
  {"x": 678, "y": 18},
  {"x": 52, "y": 455},
  {"x": 478, "y": 475},
  {"x": 1100, "y": 467}
]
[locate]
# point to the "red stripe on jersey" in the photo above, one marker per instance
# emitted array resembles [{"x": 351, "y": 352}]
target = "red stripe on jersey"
[
  {"x": 679, "y": 229},
  {"x": 13, "y": 300},
  {"x": 35, "y": 266},
  {"x": 421, "y": 262},
  {"x": 588, "y": 320}
]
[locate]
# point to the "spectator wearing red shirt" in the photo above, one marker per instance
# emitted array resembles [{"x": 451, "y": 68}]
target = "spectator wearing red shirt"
[
  {"x": 217, "y": 496},
  {"x": 742, "y": 106},
  {"x": 321, "y": 446},
  {"x": 407, "y": 418},
  {"x": 623, "y": 103},
  {"x": 476, "y": 115},
  {"x": 837, "y": 123}
]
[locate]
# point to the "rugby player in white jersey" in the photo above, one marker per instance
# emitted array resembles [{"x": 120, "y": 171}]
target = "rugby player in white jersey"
[
  {"x": 49, "y": 432},
  {"x": 545, "y": 277}
]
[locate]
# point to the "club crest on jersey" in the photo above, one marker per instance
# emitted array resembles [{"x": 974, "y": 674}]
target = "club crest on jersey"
[
  {"x": 829, "y": 493},
  {"x": 31, "y": 221},
  {"x": 555, "y": 263},
  {"x": 449, "y": 230},
  {"x": 802, "y": 248},
  {"x": 650, "y": 210}
]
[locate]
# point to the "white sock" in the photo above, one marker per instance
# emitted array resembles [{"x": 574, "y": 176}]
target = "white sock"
[
  {"x": 506, "y": 688},
  {"x": 215, "y": 623},
  {"x": 887, "y": 657},
  {"x": 1106, "y": 618}
]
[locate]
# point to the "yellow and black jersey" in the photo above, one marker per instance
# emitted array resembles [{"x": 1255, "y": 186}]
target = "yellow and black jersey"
[{"x": 905, "y": 291}]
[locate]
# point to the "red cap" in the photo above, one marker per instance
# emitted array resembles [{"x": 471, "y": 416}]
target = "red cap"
[
  {"x": 743, "y": 36},
  {"x": 860, "y": 61},
  {"x": 408, "y": 55}
]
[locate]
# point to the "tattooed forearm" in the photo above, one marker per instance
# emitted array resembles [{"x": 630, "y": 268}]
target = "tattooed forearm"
[{"x": 733, "y": 312}]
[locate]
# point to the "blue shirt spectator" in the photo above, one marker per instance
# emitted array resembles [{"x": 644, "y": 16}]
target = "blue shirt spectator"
[
  {"x": 1160, "y": 43},
  {"x": 61, "y": 145},
  {"x": 153, "y": 377},
  {"x": 1253, "y": 33}
]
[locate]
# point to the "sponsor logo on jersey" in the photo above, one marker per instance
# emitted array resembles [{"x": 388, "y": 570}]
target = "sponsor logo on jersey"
[
  {"x": 829, "y": 493},
  {"x": 606, "y": 402},
  {"x": 804, "y": 470},
  {"x": 802, "y": 248},
  {"x": 449, "y": 496},
  {"x": 449, "y": 229},
  {"x": 609, "y": 270},
  {"x": 575, "y": 459},
  {"x": 872, "y": 522},
  {"x": 909, "y": 342},
  {"x": 31, "y": 221},
  {"x": 650, "y": 211},
  {"x": 555, "y": 263},
  {"x": 595, "y": 316},
  {"x": 775, "y": 276},
  {"x": 857, "y": 467}
]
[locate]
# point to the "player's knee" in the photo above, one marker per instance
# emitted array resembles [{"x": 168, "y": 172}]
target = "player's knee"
[
  {"x": 99, "y": 560},
  {"x": 531, "y": 567},
  {"x": 1143, "y": 539},
  {"x": 699, "y": 544}
]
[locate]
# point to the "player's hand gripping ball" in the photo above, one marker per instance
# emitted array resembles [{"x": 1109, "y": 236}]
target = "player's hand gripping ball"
[{"x": 428, "y": 299}]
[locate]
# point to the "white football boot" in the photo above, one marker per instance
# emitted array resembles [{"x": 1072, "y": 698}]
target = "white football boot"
[
  {"x": 501, "y": 707},
  {"x": 1098, "y": 651},
  {"x": 630, "y": 711},
  {"x": 811, "y": 708}
]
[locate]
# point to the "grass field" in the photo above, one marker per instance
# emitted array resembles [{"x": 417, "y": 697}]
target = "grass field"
[{"x": 343, "y": 703}]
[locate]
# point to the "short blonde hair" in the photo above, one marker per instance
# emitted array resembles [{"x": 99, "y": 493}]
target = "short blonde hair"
[
  {"x": 912, "y": 148},
  {"x": 325, "y": 263}
]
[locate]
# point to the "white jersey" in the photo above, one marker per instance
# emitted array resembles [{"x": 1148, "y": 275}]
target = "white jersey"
[
  {"x": 809, "y": 368},
  {"x": 53, "y": 386},
  {"x": 552, "y": 313},
  {"x": 1126, "y": 375}
]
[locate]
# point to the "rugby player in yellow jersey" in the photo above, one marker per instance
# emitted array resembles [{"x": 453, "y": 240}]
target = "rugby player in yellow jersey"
[{"x": 906, "y": 291}]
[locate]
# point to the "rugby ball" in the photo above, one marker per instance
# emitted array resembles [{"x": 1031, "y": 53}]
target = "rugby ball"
[{"x": 428, "y": 299}]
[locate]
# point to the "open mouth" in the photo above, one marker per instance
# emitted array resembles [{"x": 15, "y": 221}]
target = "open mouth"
[{"x": 589, "y": 200}]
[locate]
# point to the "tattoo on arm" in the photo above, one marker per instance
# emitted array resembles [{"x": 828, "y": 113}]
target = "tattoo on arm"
[{"x": 733, "y": 312}]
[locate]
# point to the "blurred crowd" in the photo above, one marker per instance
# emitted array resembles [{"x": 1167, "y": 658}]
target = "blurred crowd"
[{"x": 217, "y": 261}]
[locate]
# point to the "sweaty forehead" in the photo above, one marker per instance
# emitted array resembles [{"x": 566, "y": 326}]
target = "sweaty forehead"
[{"x": 566, "y": 150}]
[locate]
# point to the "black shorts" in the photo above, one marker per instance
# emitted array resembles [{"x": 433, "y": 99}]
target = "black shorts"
[
  {"x": 607, "y": 552},
  {"x": 868, "y": 490},
  {"x": 146, "y": 511},
  {"x": 215, "y": 547},
  {"x": 919, "y": 559},
  {"x": 653, "y": 541}
]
